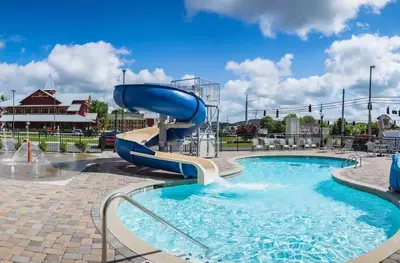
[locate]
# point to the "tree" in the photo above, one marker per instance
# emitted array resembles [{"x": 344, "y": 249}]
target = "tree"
[
  {"x": 359, "y": 128},
  {"x": 118, "y": 111},
  {"x": 374, "y": 128},
  {"x": 307, "y": 119},
  {"x": 249, "y": 130},
  {"x": 337, "y": 127},
  {"x": 273, "y": 126},
  {"x": 2, "y": 98},
  {"x": 268, "y": 123},
  {"x": 101, "y": 108},
  {"x": 265, "y": 121},
  {"x": 280, "y": 127}
]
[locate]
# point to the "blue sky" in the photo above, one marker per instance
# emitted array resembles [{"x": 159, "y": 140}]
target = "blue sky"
[{"x": 160, "y": 34}]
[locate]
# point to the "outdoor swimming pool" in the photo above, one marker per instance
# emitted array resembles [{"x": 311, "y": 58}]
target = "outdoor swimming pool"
[{"x": 280, "y": 209}]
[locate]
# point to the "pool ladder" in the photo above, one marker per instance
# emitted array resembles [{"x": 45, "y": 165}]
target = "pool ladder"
[
  {"x": 353, "y": 157},
  {"x": 145, "y": 210}
]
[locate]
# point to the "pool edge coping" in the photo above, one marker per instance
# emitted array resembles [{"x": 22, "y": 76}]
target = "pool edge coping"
[{"x": 143, "y": 249}]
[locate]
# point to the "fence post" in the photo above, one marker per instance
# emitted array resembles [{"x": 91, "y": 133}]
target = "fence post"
[
  {"x": 237, "y": 142},
  {"x": 39, "y": 137},
  {"x": 395, "y": 142},
  {"x": 220, "y": 143}
]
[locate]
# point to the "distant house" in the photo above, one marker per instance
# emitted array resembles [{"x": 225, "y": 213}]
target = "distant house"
[
  {"x": 230, "y": 130},
  {"x": 131, "y": 121},
  {"x": 47, "y": 108}
]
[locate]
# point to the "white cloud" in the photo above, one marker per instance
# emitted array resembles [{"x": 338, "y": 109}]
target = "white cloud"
[
  {"x": 290, "y": 16},
  {"x": 92, "y": 67},
  {"x": 346, "y": 67},
  {"x": 9, "y": 39},
  {"x": 362, "y": 25}
]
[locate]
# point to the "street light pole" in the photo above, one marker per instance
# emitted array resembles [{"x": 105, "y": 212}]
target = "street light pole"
[
  {"x": 122, "y": 119},
  {"x": 13, "y": 91},
  {"x": 370, "y": 103},
  {"x": 54, "y": 112}
]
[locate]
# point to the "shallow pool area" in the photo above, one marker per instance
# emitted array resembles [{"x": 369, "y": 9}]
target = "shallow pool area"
[{"x": 280, "y": 209}]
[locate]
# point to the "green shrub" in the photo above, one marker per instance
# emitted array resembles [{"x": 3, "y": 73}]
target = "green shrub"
[
  {"x": 82, "y": 146},
  {"x": 43, "y": 145},
  {"x": 63, "y": 147},
  {"x": 1, "y": 144}
]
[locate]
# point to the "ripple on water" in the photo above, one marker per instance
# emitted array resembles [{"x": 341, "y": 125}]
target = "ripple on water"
[{"x": 282, "y": 209}]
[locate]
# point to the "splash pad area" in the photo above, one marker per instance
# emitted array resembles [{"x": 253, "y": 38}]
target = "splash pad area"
[{"x": 29, "y": 163}]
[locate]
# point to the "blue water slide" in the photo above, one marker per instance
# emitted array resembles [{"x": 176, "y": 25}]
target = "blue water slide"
[{"x": 184, "y": 106}]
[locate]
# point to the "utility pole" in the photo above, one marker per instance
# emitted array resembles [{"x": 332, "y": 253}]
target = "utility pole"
[
  {"x": 13, "y": 91},
  {"x": 370, "y": 103},
  {"x": 247, "y": 102},
  {"x": 255, "y": 115},
  {"x": 342, "y": 124},
  {"x": 320, "y": 128}
]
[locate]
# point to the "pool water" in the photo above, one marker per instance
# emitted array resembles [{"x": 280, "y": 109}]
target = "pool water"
[{"x": 280, "y": 209}]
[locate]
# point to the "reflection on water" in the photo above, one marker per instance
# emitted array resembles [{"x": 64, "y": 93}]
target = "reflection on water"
[{"x": 55, "y": 167}]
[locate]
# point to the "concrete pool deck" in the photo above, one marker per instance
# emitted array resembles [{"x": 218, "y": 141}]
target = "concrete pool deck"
[{"x": 42, "y": 222}]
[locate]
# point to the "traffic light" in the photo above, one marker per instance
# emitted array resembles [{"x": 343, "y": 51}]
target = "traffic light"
[
  {"x": 265, "y": 113},
  {"x": 309, "y": 108},
  {"x": 277, "y": 113},
  {"x": 387, "y": 110}
]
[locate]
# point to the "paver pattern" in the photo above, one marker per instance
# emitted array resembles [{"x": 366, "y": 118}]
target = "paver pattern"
[{"x": 59, "y": 223}]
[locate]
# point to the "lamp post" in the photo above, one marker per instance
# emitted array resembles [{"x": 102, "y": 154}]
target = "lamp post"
[
  {"x": 13, "y": 91},
  {"x": 370, "y": 103},
  {"x": 54, "y": 112}
]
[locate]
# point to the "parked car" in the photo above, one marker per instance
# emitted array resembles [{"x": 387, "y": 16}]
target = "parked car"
[
  {"x": 77, "y": 132},
  {"x": 48, "y": 131},
  {"x": 107, "y": 139}
]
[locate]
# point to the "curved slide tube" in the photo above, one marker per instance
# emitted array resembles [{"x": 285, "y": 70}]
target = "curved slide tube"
[{"x": 189, "y": 112}]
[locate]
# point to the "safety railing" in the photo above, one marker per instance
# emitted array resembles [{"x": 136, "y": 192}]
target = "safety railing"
[
  {"x": 353, "y": 157},
  {"x": 145, "y": 210}
]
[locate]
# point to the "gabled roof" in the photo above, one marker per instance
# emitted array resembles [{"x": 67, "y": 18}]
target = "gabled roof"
[
  {"x": 64, "y": 99},
  {"x": 42, "y": 91},
  {"x": 74, "y": 107}
]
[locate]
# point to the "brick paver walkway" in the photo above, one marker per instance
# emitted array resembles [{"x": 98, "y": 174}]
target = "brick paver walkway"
[{"x": 52, "y": 223}]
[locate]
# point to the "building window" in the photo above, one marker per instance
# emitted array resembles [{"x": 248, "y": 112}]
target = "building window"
[
  {"x": 17, "y": 111},
  {"x": 35, "y": 110},
  {"x": 27, "y": 111}
]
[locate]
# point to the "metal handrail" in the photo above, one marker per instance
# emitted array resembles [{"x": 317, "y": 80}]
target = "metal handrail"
[
  {"x": 143, "y": 209},
  {"x": 353, "y": 157},
  {"x": 347, "y": 160}
]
